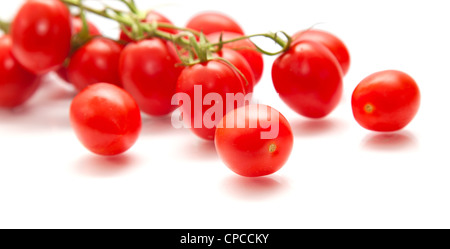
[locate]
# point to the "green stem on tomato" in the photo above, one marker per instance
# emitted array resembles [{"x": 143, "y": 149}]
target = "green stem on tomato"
[{"x": 5, "y": 26}]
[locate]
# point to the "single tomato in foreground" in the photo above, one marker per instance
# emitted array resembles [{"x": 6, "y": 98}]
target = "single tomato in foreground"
[
  {"x": 330, "y": 41},
  {"x": 254, "y": 140},
  {"x": 17, "y": 84},
  {"x": 386, "y": 101},
  {"x": 308, "y": 79},
  {"x": 106, "y": 119}
]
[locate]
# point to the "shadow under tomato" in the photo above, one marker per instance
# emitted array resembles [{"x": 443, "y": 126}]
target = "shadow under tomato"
[
  {"x": 392, "y": 141},
  {"x": 200, "y": 150},
  {"x": 317, "y": 127},
  {"x": 254, "y": 188},
  {"x": 105, "y": 166}
]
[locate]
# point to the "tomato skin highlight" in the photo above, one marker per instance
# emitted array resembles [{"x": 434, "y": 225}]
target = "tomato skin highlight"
[
  {"x": 386, "y": 101},
  {"x": 308, "y": 79},
  {"x": 211, "y": 22},
  {"x": 214, "y": 77},
  {"x": 244, "y": 151},
  {"x": 333, "y": 43},
  {"x": 244, "y": 47},
  {"x": 17, "y": 84},
  {"x": 149, "y": 72},
  {"x": 106, "y": 119},
  {"x": 41, "y": 32},
  {"x": 96, "y": 61}
]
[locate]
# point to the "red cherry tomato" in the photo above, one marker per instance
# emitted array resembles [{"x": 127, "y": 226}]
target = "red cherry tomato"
[
  {"x": 260, "y": 146},
  {"x": 215, "y": 77},
  {"x": 152, "y": 16},
  {"x": 17, "y": 84},
  {"x": 106, "y": 119},
  {"x": 211, "y": 22},
  {"x": 333, "y": 43},
  {"x": 308, "y": 79},
  {"x": 242, "y": 65},
  {"x": 244, "y": 47},
  {"x": 96, "y": 61},
  {"x": 41, "y": 32},
  {"x": 77, "y": 25},
  {"x": 386, "y": 101},
  {"x": 149, "y": 72}
]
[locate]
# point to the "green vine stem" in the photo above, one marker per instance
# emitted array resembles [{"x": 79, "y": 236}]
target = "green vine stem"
[{"x": 5, "y": 26}]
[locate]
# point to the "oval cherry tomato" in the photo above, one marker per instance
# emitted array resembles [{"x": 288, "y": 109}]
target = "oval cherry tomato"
[
  {"x": 386, "y": 101},
  {"x": 41, "y": 32},
  {"x": 333, "y": 43},
  {"x": 256, "y": 142},
  {"x": 308, "y": 79},
  {"x": 211, "y": 22},
  {"x": 149, "y": 72},
  {"x": 77, "y": 25},
  {"x": 96, "y": 61},
  {"x": 244, "y": 47},
  {"x": 106, "y": 119},
  {"x": 152, "y": 16},
  {"x": 242, "y": 65},
  {"x": 17, "y": 84},
  {"x": 212, "y": 77}
]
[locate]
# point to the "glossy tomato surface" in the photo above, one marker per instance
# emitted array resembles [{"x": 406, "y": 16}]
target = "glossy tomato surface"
[
  {"x": 244, "y": 47},
  {"x": 332, "y": 42},
  {"x": 308, "y": 79},
  {"x": 106, "y": 119},
  {"x": 41, "y": 32},
  {"x": 256, "y": 142},
  {"x": 96, "y": 61},
  {"x": 242, "y": 65},
  {"x": 149, "y": 72},
  {"x": 17, "y": 84},
  {"x": 386, "y": 101},
  {"x": 213, "y": 78},
  {"x": 152, "y": 16},
  {"x": 211, "y": 22}
]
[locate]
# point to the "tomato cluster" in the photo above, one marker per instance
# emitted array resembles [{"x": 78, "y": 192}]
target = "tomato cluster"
[{"x": 208, "y": 68}]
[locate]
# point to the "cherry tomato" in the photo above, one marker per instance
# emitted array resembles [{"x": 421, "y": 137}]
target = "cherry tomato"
[
  {"x": 256, "y": 142},
  {"x": 152, "y": 16},
  {"x": 96, "y": 61},
  {"x": 215, "y": 77},
  {"x": 386, "y": 101},
  {"x": 333, "y": 43},
  {"x": 244, "y": 47},
  {"x": 41, "y": 32},
  {"x": 17, "y": 84},
  {"x": 77, "y": 25},
  {"x": 242, "y": 65},
  {"x": 106, "y": 119},
  {"x": 308, "y": 79},
  {"x": 149, "y": 72},
  {"x": 211, "y": 22}
]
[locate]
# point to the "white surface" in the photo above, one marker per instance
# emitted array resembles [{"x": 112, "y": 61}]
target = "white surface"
[{"x": 338, "y": 176}]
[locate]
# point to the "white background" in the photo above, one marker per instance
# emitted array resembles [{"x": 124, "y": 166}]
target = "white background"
[{"x": 338, "y": 176}]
